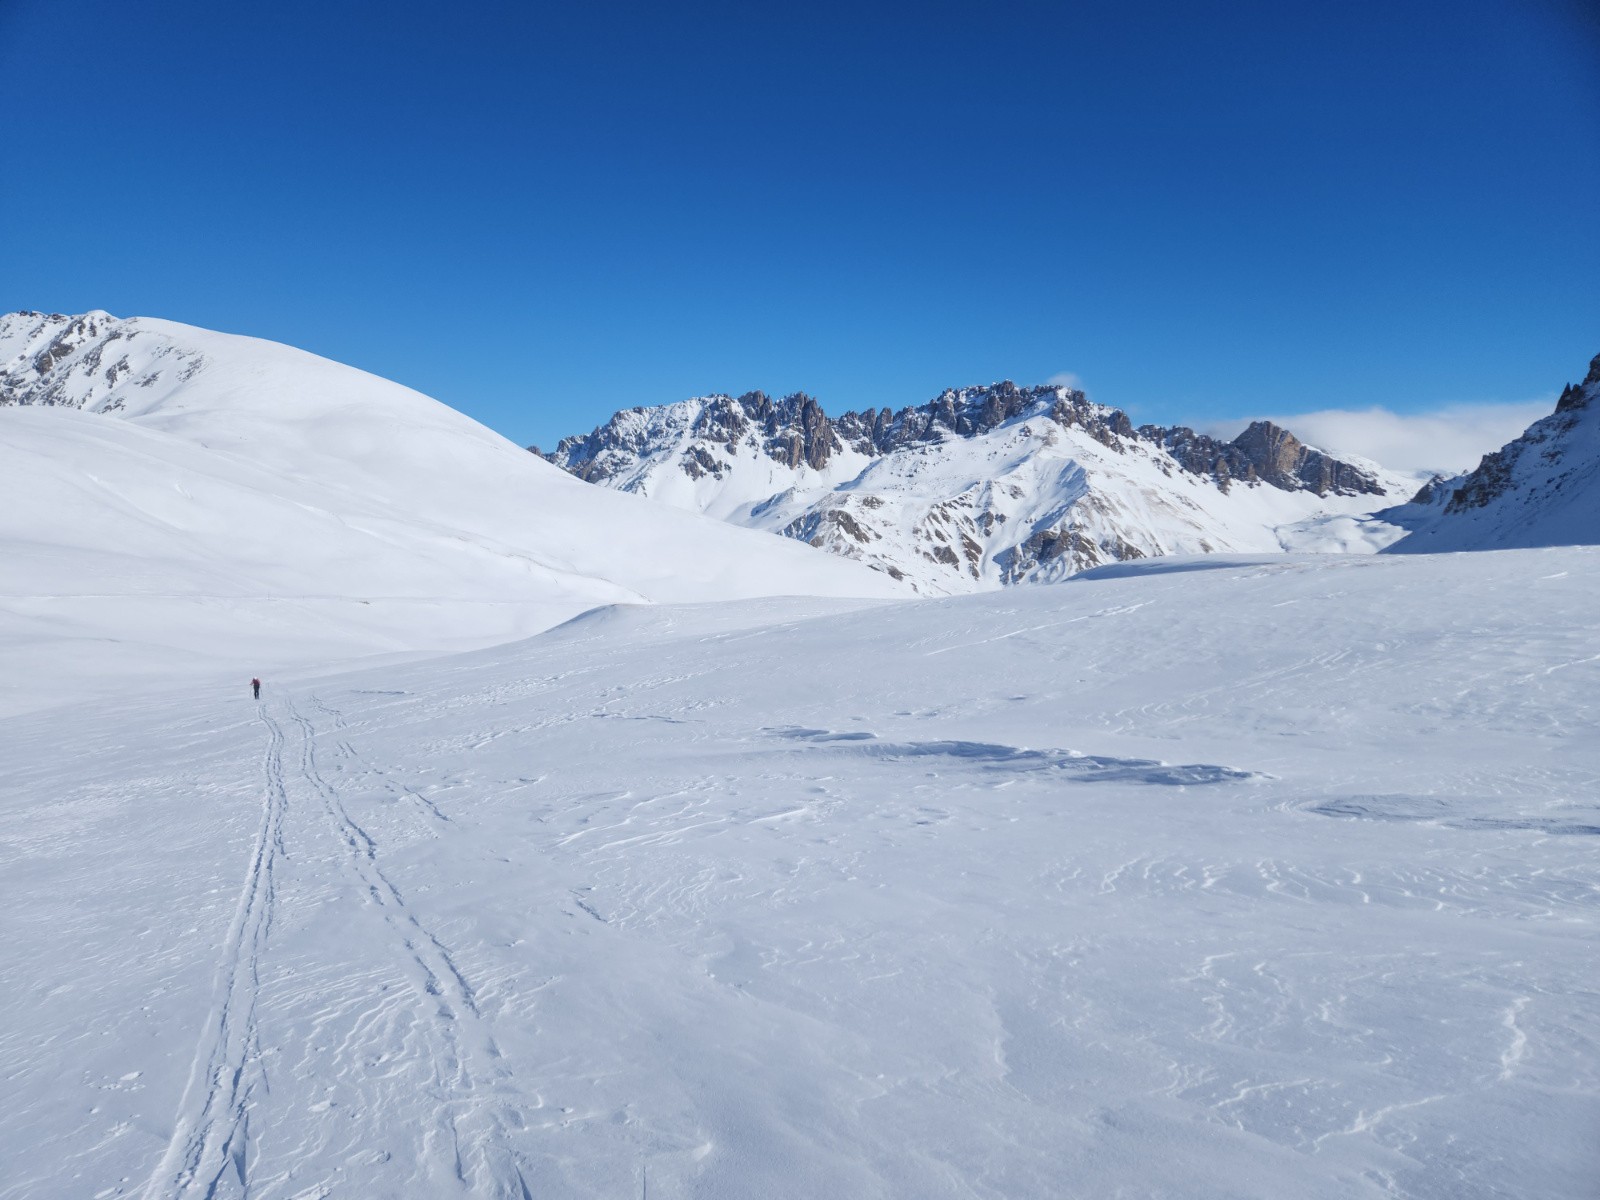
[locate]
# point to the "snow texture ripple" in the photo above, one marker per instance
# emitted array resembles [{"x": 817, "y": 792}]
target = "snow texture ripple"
[{"x": 1273, "y": 878}]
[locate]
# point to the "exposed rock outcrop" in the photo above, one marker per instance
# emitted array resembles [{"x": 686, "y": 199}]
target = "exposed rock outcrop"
[
  {"x": 1540, "y": 489},
  {"x": 794, "y": 431},
  {"x": 83, "y": 361},
  {"x": 978, "y": 487}
]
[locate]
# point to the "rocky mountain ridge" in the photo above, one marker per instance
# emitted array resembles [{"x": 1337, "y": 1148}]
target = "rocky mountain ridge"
[
  {"x": 794, "y": 430},
  {"x": 1540, "y": 489},
  {"x": 980, "y": 486},
  {"x": 89, "y": 361}
]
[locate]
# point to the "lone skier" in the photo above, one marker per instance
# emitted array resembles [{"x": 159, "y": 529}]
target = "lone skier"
[{"x": 255, "y": 686}]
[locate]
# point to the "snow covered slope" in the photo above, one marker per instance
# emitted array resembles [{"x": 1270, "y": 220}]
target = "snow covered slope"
[
  {"x": 1542, "y": 489},
  {"x": 1189, "y": 879},
  {"x": 986, "y": 486},
  {"x": 168, "y": 493}
]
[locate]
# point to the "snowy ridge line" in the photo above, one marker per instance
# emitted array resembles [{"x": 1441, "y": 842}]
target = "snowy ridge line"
[
  {"x": 212, "y": 1127},
  {"x": 987, "y": 486},
  {"x": 469, "y": 1070},
  {"x": 155, "y": 466},
  {"x": 1542, "y": 488}
]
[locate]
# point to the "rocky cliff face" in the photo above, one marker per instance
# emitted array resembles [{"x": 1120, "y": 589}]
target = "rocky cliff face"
[
  {"x": 87, "y": 362},
  {"x": 794, "y": 431},
  {"x": 978, "y": 487},
  {"x": 1548, "y": 442},
  {"x": 1541, "y": 489}
]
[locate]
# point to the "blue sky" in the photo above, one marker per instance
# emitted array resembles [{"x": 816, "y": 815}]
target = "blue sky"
[{"x": 542, "y": 213}]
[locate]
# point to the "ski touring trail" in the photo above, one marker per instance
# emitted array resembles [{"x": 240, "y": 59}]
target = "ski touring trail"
[
  {"x": 454, "y": 1129},
  {"x": 469, "y": 1078},
  {"x": 212, "y": 1130},
  {"x": 1248, "y": 893}
]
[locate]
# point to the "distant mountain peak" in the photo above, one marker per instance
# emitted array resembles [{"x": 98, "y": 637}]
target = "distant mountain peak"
[{"x": 978, "y": 486}]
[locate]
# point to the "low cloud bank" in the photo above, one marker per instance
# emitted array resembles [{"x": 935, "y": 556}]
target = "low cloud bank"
[{"x": 1446, "y": 440}]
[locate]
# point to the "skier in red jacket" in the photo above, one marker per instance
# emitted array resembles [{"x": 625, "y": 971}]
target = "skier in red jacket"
[{"x": 255, "y": 686}]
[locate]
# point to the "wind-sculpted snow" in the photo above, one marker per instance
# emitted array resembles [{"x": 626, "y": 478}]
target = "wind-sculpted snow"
[
  {"x": 1275, "y": 879},
  {"x": 1014, "y": 760},
  {"x": 1454, "y": 811}
]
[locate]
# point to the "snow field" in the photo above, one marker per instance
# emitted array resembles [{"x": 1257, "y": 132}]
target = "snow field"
[
  {"x": 1256, "y": 878},
  {"x": 173, "y": 498}
]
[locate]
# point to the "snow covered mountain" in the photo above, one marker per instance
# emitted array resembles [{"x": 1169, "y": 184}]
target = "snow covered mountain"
[
  {"x": 1235, "y": 878},
  {"x": 242, "y": 503},
  {"x": 1541, "y": 489},
  {"x": 985, "y": 486}
]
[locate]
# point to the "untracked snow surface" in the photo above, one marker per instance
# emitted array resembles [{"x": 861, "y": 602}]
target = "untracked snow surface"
[{"x": 1271, "y": 879}]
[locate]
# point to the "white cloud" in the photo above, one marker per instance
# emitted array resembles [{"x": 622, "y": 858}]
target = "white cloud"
[
  {"x": 1447, "y": 440},
  {"x": 1066, "y": 379}
]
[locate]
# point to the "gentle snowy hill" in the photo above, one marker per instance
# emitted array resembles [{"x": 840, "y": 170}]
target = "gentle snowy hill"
[
  {"x": 173, "y": 494},
  {"x": 1542, "y": 489},
  {"x": 986, "y": 486},
  {"x": 1210, "y": 880}
]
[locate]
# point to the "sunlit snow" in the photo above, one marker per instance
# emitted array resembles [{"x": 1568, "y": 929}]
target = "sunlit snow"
[
  {"x": 1264, "y": 876},
  {"x": 177, "y": 499},
  {"x": 1274, "y": 878}
]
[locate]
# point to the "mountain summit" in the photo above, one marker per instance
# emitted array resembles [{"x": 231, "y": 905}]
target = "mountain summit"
[{"x": 983, "y": 486}]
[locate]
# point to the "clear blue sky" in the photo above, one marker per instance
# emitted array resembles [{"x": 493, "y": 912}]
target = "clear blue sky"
[{"x": 542, "y": 213}]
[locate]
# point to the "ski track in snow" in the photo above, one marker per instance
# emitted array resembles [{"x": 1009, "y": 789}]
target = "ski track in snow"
[
  {"x": 210, "y": 1151},
  {"x": 664, "y": 904},
  {"x": 471, "y": 1114},
  {"x": 212, "y": 1130}
]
